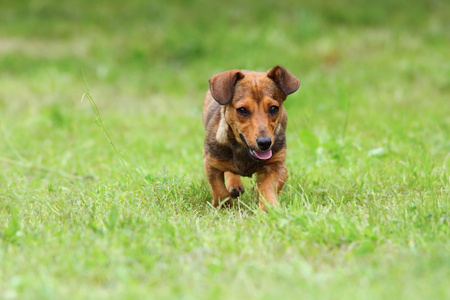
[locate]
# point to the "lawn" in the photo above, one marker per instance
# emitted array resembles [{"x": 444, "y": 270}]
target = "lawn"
[{"x": 115, "y": 205}]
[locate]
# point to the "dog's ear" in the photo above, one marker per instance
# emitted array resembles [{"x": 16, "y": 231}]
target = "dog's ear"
[
  {"x": 285, "y": 80},
  {"x": 222, "y": 85}
]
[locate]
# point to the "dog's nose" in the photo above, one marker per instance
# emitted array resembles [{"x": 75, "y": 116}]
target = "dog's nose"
[{"x": 264, "y": 142}]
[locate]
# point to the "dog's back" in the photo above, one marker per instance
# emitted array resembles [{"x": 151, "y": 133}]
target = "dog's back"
[{"x": 210, "y": 107}]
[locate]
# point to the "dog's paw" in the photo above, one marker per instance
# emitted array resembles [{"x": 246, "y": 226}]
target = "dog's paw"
[{"x": 236, "y": 191}]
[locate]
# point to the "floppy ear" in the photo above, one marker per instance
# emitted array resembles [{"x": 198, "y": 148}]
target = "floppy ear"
[
  {"x": 285, "y": 80},
  {"x": 222, "y": 85}
]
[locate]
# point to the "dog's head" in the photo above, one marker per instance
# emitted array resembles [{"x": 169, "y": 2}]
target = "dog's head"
[{"x": 252, "y": 105}]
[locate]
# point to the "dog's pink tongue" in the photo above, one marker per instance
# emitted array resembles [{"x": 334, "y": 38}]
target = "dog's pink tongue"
[{"x": 263, "y": 155}]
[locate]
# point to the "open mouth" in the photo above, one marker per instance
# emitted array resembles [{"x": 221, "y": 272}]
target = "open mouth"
[
  {"x": 260, "y": 155},
  {"x": 257, "y": 155}
]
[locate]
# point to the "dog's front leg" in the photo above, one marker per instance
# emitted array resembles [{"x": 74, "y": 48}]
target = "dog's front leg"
[
  {"x": 217, "y": 182},
  {"x": 234, "y": 184},
  {"x": 270, "y": 182}
]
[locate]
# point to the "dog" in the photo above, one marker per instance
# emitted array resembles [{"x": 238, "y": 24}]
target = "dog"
[{"x": 245, "y": 124}]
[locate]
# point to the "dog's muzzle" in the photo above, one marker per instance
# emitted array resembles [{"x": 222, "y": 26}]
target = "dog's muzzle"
[{"x": 263, "y": 143}]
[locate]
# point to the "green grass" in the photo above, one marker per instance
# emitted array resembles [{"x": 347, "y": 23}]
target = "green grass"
[{"x": 365, "y": 211}]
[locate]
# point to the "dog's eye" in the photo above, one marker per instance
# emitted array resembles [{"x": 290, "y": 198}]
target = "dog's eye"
[
  {"x": 243, "y": 111},
  {"x": 273, "y": 110}
]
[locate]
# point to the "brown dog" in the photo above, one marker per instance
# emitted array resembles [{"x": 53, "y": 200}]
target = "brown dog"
[{"x": 245, "y": 124}]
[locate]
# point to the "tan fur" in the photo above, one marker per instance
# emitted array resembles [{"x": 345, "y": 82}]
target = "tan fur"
[
  {"x": 232, "y": 138},
  {"x": 222, "y": 130}
]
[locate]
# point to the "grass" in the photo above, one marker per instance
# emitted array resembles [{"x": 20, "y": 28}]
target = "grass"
[{"x": 365, "y": 211}]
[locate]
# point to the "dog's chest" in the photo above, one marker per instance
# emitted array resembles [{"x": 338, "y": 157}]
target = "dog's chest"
[{"x": 245, "y": 165}]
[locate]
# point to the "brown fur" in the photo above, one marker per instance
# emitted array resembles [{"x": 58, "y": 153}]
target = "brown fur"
[{"x": 226, "y": 154}]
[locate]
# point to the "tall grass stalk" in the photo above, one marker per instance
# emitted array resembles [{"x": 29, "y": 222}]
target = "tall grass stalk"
[{"x": 87, "y": 94}]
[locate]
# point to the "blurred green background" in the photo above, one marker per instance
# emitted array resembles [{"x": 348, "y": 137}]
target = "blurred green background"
[
  {"x": 156, "y": 56},
  {"x": 369, "y": 69},
  {"x": 145, "y": 48}
]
